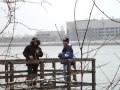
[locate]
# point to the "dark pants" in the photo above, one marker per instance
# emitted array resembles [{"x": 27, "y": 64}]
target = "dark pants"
[{"x": 32, "y": 70}]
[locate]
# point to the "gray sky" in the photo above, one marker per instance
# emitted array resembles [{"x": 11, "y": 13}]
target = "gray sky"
[{"x": 58, "y": 12}]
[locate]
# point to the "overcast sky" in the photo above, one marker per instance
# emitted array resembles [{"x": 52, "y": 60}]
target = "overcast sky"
[{"x": 58, "y": 12}]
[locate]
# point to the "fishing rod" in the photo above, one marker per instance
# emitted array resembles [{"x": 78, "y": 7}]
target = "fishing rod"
[
  {"x": 62, "y": 39},
  {"x": 58, "y": 32}
]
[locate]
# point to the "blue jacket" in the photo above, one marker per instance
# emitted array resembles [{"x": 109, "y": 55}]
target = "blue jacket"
[{"x": 67, "y": 52}]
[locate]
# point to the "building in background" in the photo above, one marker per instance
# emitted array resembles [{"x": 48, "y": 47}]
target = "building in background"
[
  {"x": 50, "y": 36},
  {"x": 97, "y": 30}
]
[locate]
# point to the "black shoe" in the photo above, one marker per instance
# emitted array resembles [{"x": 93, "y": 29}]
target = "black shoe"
[
  {"x": 29, "y": 84},
  {"x": 74, "y": 79},
  {"x": 34, "y": 83}
]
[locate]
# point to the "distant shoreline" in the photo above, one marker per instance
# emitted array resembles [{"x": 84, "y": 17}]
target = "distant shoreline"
[{"x": 58, "y": 44}]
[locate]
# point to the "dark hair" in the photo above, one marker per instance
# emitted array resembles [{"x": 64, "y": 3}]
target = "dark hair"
[
  {"x": 66, "y": 40},
  {"x": 35, "y": 40}
]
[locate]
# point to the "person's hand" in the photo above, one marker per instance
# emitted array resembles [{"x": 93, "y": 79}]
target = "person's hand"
[
  {"x": 60, "y": 55},
  {"x": 30, "y": 57},
  {"x": 37, "y": 51}
]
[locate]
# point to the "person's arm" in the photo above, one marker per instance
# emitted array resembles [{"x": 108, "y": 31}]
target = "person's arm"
[
  {"x": 26, "y": 52},
  {"x": 39, "y": 52},
  {"x": 62, "y": 54}
]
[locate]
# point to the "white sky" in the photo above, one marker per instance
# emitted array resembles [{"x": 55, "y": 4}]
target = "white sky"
[{"x": 59, "y": 12}]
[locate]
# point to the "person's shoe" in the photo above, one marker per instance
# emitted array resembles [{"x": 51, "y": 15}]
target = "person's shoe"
[
  {"x": 65, "y": 80},
  {"x": 29, "y": 78},
  {"x": 74, "y": 80},
  {"x": 34, "y": 82},
  {"x": 29, "y": 84}
]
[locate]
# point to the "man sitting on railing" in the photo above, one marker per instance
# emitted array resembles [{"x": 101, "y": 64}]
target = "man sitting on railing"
[
  {"x": 32, "y": 53},
  {"x": 67, "y": 54}
]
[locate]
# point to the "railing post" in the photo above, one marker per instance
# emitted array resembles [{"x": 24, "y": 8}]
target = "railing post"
[
  {"x": 69, "y": 75},
  {"x": 11, "y": 75},
  {"x": 6, "y": 72},
  {"x": 74, "y": 74},
  {"x": 54, "y": 74},
  {"x": 11, "y": 72},
  {"x": 42, "y": 75},
  {"x": 93, "y": 75}
]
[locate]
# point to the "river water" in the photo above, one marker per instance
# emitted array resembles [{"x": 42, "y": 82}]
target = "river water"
[{"x": 108, "y": 57}]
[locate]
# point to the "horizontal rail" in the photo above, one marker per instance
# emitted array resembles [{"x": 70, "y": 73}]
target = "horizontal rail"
[
  {"x": 25, "y": 71},
  {"x": 48, "y": 74},
  {"x": 50, "y": 81},
  {"x": 23, "y": 61}
]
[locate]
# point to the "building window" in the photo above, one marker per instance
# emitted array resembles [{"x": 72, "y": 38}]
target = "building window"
[
  {"x": 116, "y": 28},
  {"x": 116, "y": 31},
  {"x": 112, "y": 28},
  {"x": 112, "y": 34},
  {"x": 111, "y": 31},
  {"x": 107, "y": 34},
  {"x": 100, "y": 28},
  {"x": 107, "y": 31},
  {"x": 101, "y": 31},
  {"x": 107, "y": 28},
  {"x": 119, "y": 28}
]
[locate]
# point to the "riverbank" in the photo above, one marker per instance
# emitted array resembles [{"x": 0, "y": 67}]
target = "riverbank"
[{"x": 75, "y": 43}]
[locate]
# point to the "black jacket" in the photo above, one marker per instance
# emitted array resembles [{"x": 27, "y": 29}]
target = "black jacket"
[{"x": 30, "y": 50}]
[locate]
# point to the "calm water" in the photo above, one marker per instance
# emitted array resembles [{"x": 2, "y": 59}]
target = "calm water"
[{"x": 109, "y": 56}]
